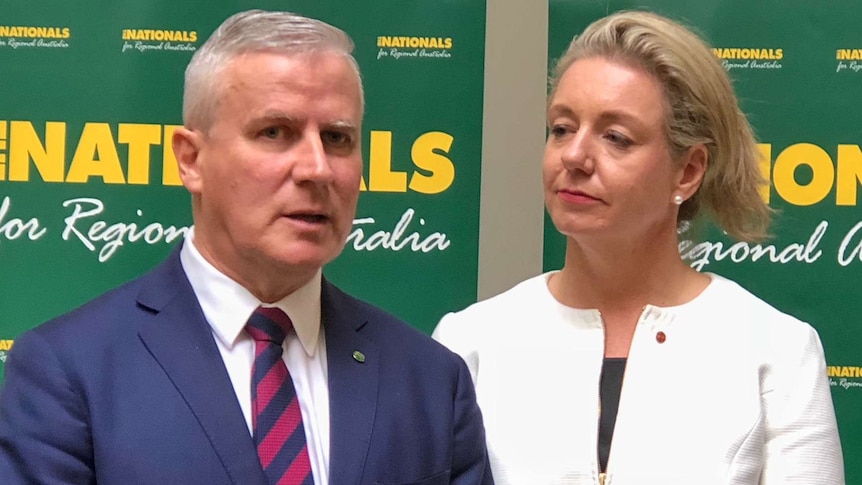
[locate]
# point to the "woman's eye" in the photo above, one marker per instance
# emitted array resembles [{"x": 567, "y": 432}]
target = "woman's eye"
[
  {"x": 559, "y": 130},
  {"x": 618, "y": 139}
]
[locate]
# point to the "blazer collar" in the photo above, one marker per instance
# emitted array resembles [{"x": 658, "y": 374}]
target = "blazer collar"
[
  {"x": 180, "y": 339},
  {"x": 354, "y": 370}
]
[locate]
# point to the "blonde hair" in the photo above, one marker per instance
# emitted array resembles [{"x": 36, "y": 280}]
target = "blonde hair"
[
  {"x": 701, "y": 108},
  {"x": 254, "y": 31}
]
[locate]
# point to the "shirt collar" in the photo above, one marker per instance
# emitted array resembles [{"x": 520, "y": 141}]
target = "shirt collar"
[{"x": 227, "y": 305}]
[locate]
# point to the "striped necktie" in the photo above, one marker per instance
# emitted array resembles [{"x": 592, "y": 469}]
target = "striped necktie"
[{"x": 276, "y": 419}]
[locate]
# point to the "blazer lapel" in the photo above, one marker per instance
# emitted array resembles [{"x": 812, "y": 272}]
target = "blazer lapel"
[
  {"x": 180, "y": 339},
  {"x": 353, "y": 384}
]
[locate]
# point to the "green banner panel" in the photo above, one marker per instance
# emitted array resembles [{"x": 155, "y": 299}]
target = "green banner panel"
[
  {"x": 89, "y": 191},
  {"x": 797, "y": 69}
]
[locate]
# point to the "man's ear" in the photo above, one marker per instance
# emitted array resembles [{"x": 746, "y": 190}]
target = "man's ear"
[
  {"x": 691, "y": 170},
  {"x": 187, "y": 150}
]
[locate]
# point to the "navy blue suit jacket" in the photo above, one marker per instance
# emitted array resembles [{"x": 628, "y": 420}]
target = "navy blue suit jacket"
[{"x": 131, "y": 389}]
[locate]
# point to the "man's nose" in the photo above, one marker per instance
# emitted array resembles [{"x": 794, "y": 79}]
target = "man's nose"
[{"x": 312, "y": 162}]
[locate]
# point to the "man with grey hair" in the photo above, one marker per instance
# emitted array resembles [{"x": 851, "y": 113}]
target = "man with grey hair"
[{"x": 235, "y": 361}]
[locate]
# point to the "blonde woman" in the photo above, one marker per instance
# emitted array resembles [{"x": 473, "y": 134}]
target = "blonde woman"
[{"x": 627, "y": 367}]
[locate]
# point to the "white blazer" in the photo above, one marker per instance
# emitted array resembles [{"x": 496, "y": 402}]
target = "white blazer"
[{"x": 736, "y": 394}]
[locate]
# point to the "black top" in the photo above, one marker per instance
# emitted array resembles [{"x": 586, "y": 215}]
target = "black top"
[{"x": 609, "y": 391}]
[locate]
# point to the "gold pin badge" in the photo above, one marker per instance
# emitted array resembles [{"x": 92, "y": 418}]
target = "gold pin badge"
[{"x": 358, "y": 356}]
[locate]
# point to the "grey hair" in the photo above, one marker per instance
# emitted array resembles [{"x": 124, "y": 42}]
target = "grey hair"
[{"x": 255, "y": 31}]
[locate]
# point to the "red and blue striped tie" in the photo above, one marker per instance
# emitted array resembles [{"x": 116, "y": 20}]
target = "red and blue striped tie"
[{"x": 276, "y": 419}]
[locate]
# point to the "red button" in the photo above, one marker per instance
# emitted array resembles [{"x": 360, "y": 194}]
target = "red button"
[{"x": 660, "y": 337}]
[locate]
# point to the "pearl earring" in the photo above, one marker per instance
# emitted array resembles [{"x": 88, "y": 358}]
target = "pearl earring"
[{"x": 677, "y": 199}]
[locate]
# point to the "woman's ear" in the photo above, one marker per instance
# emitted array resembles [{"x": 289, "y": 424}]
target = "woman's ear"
[{"x": 692, "y": 170}]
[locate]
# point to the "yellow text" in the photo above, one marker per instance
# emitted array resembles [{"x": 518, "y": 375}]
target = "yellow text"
[
  {"x": 95, "y": 155},
  {"x": 843, "y": 371},
  {"x": 848, "y": 54},
  {"x": 43, "y": 32},
  {"x": 436, "y": 171},
  {"x": 125, "y": 153},
  {"x": 160, "y": 35},
  {"x": 748, "y": 53},
  {"x": 844, "y": 174},
  {"x": 415, "y": 42}
]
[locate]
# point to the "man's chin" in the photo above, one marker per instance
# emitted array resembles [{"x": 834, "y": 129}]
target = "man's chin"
[{"x": 304, "y": 259}]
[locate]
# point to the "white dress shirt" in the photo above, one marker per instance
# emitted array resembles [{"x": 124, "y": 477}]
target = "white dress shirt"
[{"x": 227, "y": 307}]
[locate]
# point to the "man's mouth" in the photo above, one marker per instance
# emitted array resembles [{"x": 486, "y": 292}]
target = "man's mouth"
[{"x": 309, "y": 218}]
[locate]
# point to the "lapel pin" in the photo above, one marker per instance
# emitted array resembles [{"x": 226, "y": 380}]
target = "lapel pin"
[
  {"x": 358, "y": 356},
  {"x": 660, "y": 337}
]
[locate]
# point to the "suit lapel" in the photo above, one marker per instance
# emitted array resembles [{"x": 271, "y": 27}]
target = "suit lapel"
[
  {"x": 353, "y": 385},
  {"x": 180, "y": 339}
]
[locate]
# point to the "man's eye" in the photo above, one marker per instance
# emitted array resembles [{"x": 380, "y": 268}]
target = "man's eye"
[
  {"x": 335, "y": 138},
  {"x": 272, "y": 132}
]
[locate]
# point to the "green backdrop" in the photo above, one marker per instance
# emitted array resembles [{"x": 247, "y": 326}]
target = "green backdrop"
[
  {"x": 89, "y": 197},
  {"x": 797, "y": 68}
]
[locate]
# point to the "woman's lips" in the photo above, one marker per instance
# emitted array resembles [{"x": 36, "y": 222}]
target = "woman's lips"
[{"x": 577, "y": 197}]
